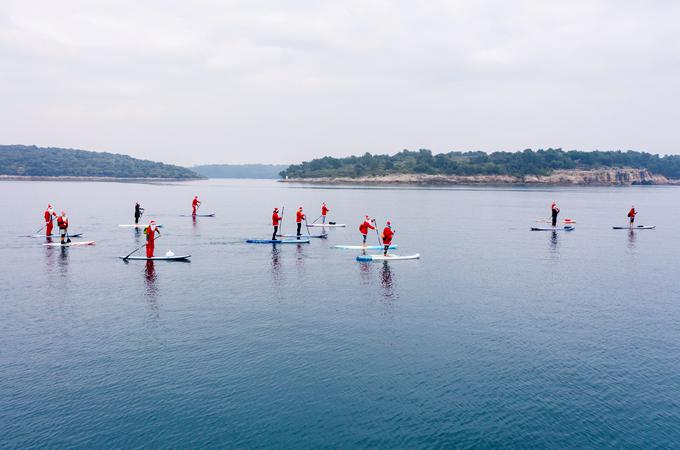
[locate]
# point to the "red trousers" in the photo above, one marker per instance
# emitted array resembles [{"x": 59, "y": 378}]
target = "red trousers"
[
  {"x": 149, "y": 249},
  {"x": 48, "y": 230}
]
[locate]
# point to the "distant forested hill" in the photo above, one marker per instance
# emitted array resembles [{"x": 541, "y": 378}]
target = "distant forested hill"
[
  {"x": 527, "y": 162},
  {"x": 22, "y": 160},
  {"x": 240, "y": 170}
]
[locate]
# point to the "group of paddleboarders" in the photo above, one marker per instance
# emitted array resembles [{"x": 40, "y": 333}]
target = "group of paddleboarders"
[
  {"x": 62, "y": 224},
  {"x": 554, "y": 212},
  {"x": 367, "y": 224}
]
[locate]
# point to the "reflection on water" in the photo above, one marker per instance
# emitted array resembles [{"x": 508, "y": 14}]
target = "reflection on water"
[
  {"x": 365, "y": 272},
  {"x": 386, "y": 281},
  {"x": 276, "y": 263},
  {"x": 151, "y": 292},
  {"x": 554, "y": 244},
  {"x": 631, "y": 239}
]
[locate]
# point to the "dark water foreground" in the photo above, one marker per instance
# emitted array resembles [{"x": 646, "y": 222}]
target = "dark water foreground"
[{"x": 498, "y": 336}]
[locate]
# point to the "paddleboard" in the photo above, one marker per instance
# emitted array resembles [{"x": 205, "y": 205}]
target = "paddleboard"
[
  {"x": 636, "y": 227},
  {"x": 566, "y": 221},
  {"x": 565, "y": 228},
  {"x": 321, "y": 236},
  {"x": 364, "y": 247},
  {"x": 71, "y": 244},
  {"x": 387, "y": 258},
  {"x": 158, "y": 258},
  {"x": 326, "y": 225},
  {"x": 138, "y": 225},
  {"x": 198, "y": 215},
  {"x": 54, "y": 236},
  {"x": 278, "y": 241}
]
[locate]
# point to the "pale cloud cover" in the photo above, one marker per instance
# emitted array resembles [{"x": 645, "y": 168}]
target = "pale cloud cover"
[{"x": 271, "y": 81}]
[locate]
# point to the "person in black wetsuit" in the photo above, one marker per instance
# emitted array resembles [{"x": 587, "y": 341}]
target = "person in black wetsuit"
[
  {"x": 138, "y": 212},
  {"x": 555, "y": 211}
]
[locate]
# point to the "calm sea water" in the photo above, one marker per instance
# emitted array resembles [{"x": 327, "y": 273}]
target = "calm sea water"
[{"x": 498, "y": 336}]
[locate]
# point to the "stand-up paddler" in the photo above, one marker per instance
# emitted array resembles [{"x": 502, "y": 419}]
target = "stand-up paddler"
[
  {"x": 365, "y": 226},
  {"x": 554, "y": 211},
  {"x": 299, "y": 217},
  {"x": 138, "y": 212},
  {"x": 324, "y": 211},
  {"x": 631, "y": 216},
  {"x": 150, "y": 232},
  {"x": 275, "y": 222},
  {"x": 62, "y": 223},
  {"x": 194, "y": 205},
  {"x": 387, "y": 235},
  {"x": 49, "y": 220}
]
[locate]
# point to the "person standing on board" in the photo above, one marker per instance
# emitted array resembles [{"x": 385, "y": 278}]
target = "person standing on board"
[
  {"x": 299, "y": 217},
  {"x": 194, "y": 205},
  {"x": 275, "y": 222},
  {"x": 364, "y": 227},
  {"x": 387, "y": 235},
  {"x": 49, "y": 220},
  {"x": 554, "y": 211},
  {"x": 150, "y": 232},
  {"x": 324, "y": 211},
  {"x": 62, "y": 223},
  {"x": 631, "y": 215},
  {"x": 138, "y": 212}
]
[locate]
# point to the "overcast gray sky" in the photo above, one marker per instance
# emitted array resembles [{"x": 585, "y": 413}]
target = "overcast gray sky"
[{"x": 205, "y": 81}]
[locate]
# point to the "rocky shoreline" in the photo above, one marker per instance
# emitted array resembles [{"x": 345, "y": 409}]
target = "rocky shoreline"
[{"x": 598, "y": 177}]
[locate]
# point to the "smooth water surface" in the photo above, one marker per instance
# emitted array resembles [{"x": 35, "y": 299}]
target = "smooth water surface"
[{"x": 497, "y": 336}]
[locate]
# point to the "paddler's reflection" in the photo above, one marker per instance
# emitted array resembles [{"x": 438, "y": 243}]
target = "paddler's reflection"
[
  {"x": 554, "y": 243},
  {"x": 150, "y": 279},
  {"x": 276, "y": 262},
  {"x": 365, "y": 272},
  {"x": 631, "y": 239},
  {"x": 386, "y": 280}
]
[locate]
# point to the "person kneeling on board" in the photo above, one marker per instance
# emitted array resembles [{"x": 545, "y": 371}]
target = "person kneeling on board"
[
  {"x": 554, "y": 211},
  {"x": 631, "y": 215},
  {"x": 365, "y": 226},
  {"x": 275, "y": 222},
  {"x": 49, "y": 222},
  {"x": 62, "y": 223},
  {"x": 387, "y": 235},
  {"x": 299, "y": 217},
  {"x": 138, "y": 212},
  {"x": 150, "y": 232}
]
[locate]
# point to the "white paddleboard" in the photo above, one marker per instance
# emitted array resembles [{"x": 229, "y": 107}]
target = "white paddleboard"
[
  {"x": 636, "y": 227},
  {"x": 565, "y": 228},
  {"x": 387, "y": 258},
  {"x": 138, "y": 225},
  {"x": 157, "y": 258},
  {"x": 54, "y": 236},
  {"x": 71, "y": 244},
  {"x": 364, "y": 247},
  {"x": 322, "y": 236},
  {"x": 326, "y": 225}
]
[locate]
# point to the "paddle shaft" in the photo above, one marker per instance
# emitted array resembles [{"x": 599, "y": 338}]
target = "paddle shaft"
[
  {"x": 377, "y": 233},
  {"x": 283, "y": 210},
  {"x": 137, "y": 249},
  {"x": 41, "y": 228},
  {"x": 317, "y": 218}
]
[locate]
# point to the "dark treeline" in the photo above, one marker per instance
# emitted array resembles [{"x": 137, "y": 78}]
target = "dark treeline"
[
  {"x": 34, "y": 161},
  {"x": 527, "y": 162}
]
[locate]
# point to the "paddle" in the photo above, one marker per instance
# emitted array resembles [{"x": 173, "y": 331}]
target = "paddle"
[
  {"x": 137, "y": 249},
  {"x": 307, "y": 225},
  {"x": 317, "y": 218},
  {"x": 377, "y": 233},
  {"x": 41, "y": 228},
  {"x": 283, "y": 210},
  {"x": 68, "y": 239}
]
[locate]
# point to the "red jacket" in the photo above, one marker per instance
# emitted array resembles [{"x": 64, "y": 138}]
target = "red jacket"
[
  {"x": 299, "y": 217},
  {"x": 48, "y": 215},
  {"x": 324, "y": 210},
  {"x": 387, "y": 235},
  {"x": 62, "y": 223},
  {"x": 151, "y": 235},
  {"x": 632, "y": 212},
  {"x": 195, "y": 202},
  {"x": 275, "y": 219},
  {"x": 363, "y": 228}
]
